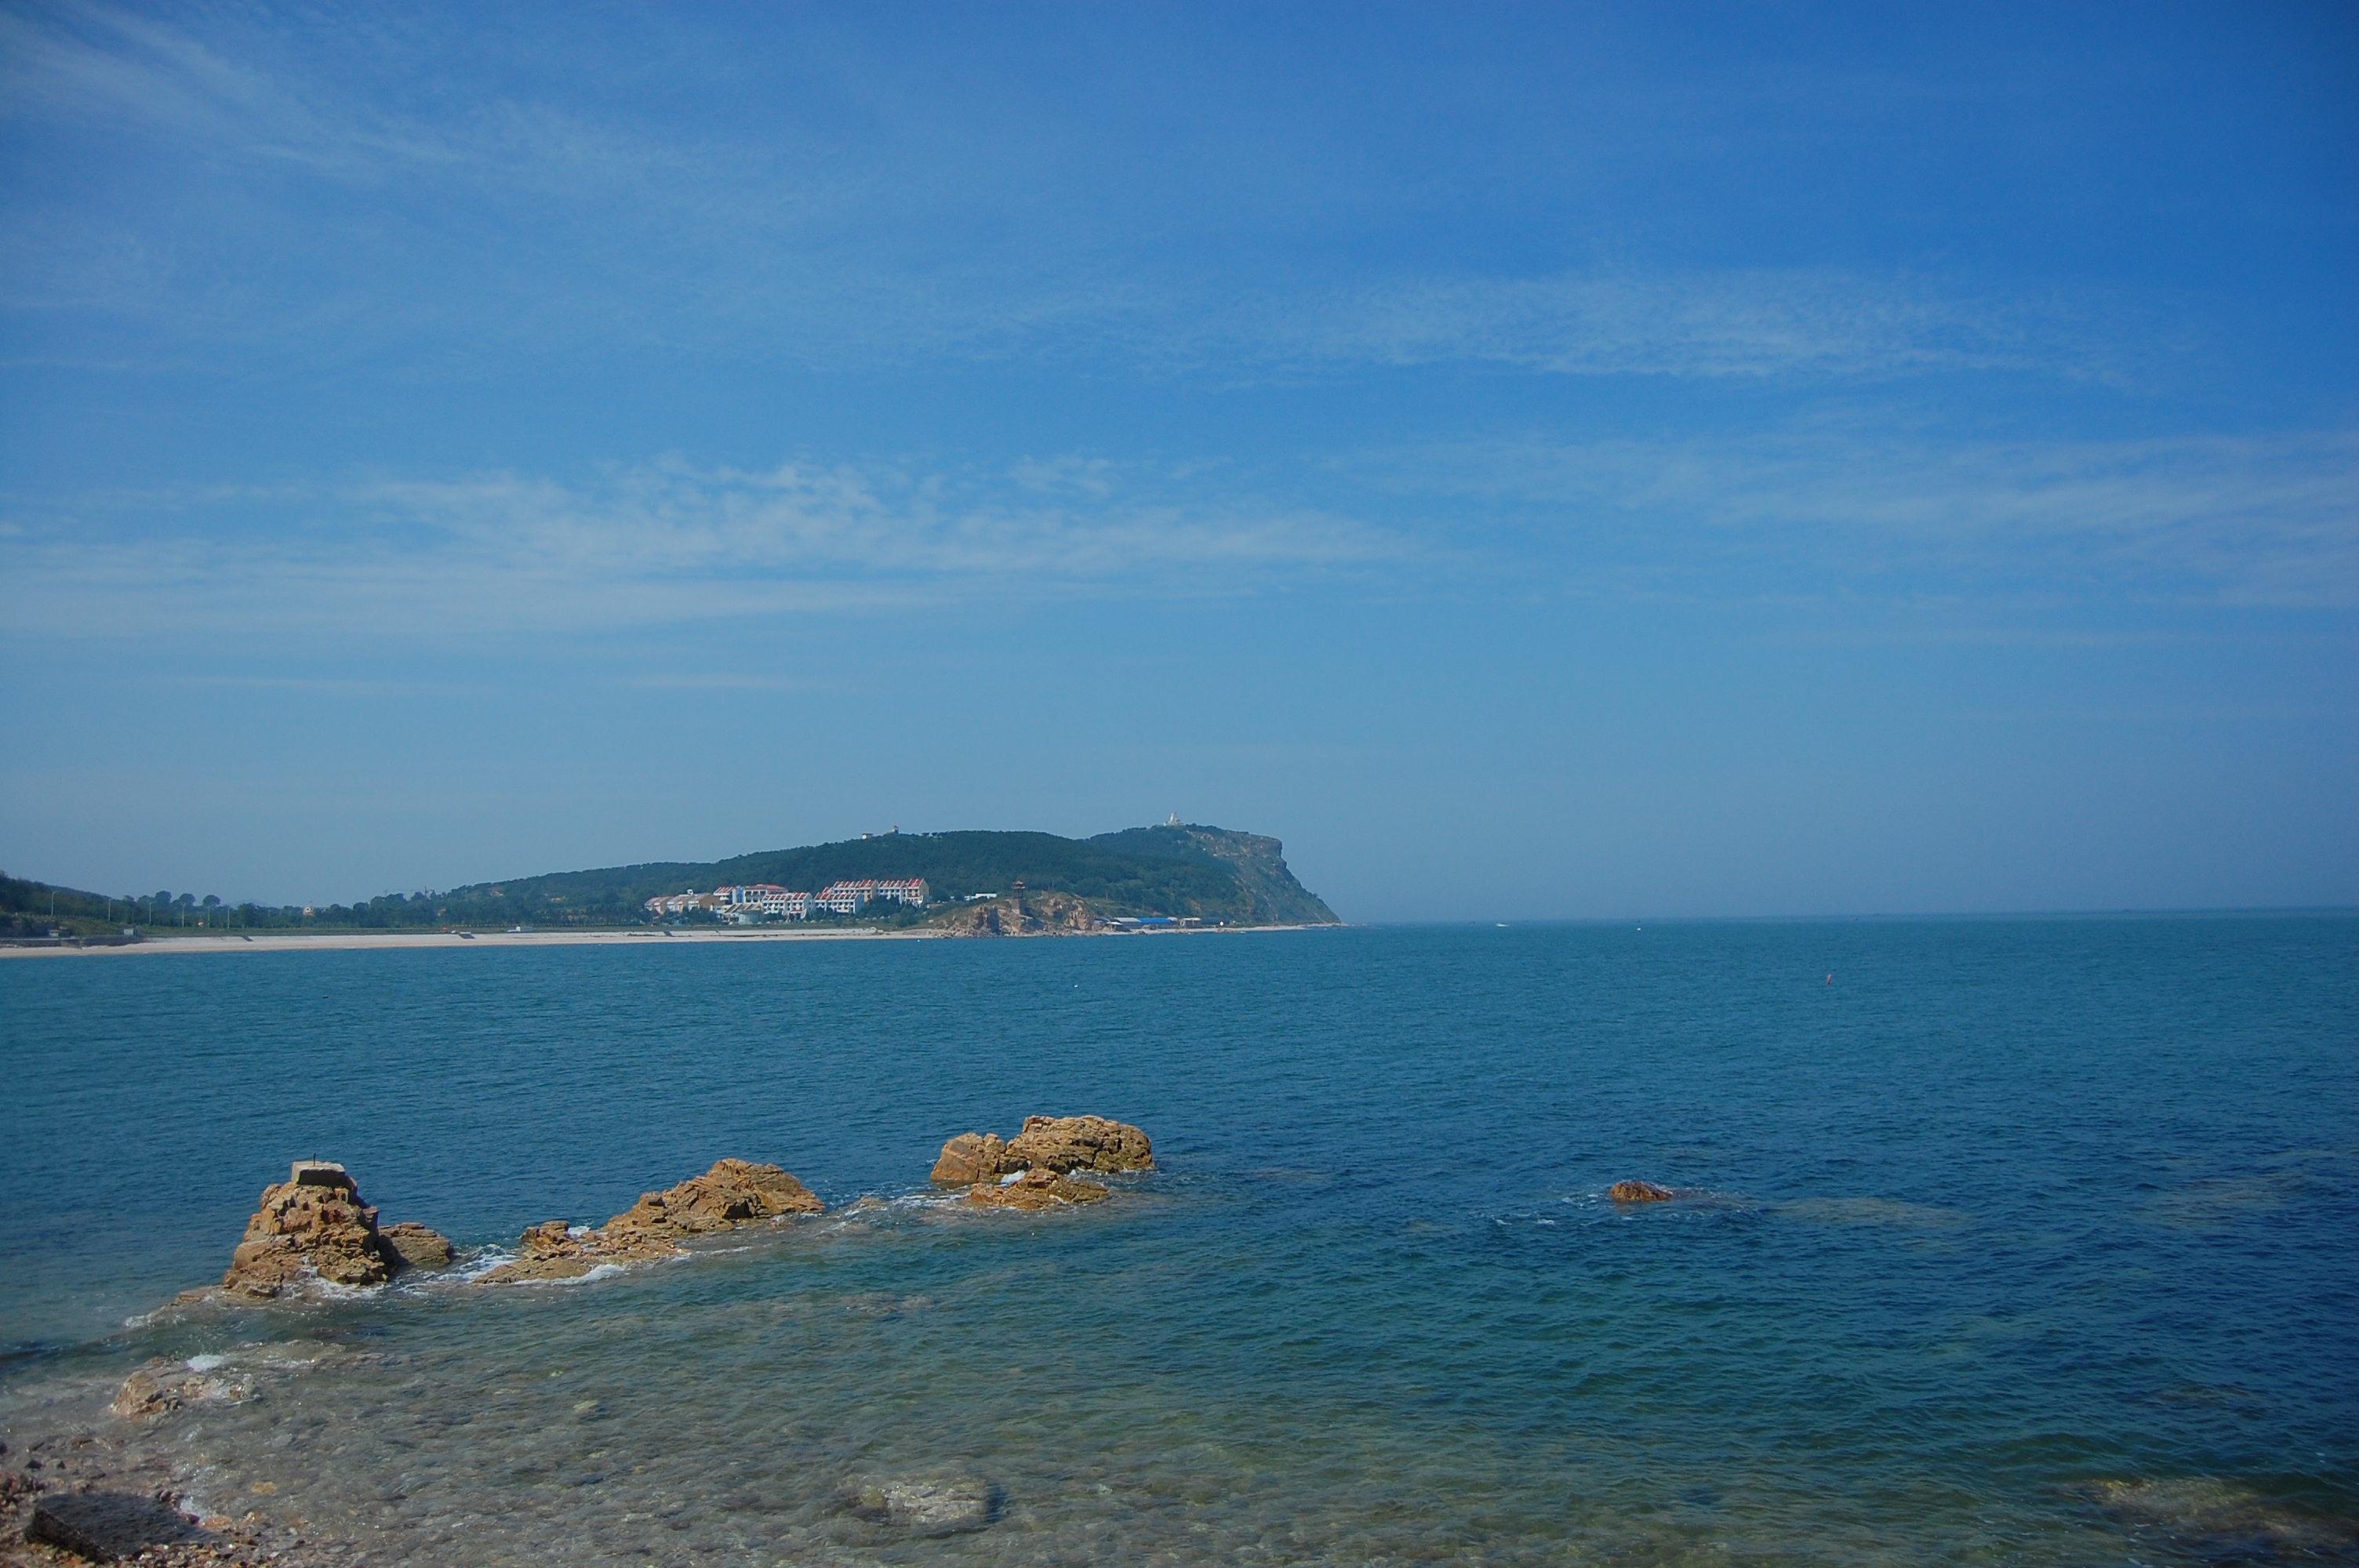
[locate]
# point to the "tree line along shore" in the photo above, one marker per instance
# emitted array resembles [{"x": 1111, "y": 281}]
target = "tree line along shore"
[{"x": 979, "y": 882}]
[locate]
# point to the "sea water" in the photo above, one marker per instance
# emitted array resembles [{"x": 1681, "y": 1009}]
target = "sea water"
[{"x": 1999, "y": 1241}]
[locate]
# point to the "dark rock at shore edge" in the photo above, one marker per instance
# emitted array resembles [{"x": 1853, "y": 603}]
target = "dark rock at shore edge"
[{"x": 108, "y": 1527}]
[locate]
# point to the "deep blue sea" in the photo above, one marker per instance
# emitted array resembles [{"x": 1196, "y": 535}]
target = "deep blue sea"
[{"x": 2018, "y": 1241}]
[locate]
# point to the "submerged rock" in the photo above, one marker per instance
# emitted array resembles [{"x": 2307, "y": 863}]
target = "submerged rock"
[
  {"x": 314, "y": 1225},
  {"x": 942, "y": 1506},
  {"x": 733, "y": 1193},
  {"x": 1639, "y": 1192},
  {"x": 161, "y": 1386},
  {"x": 2222, "y": 1521},
  {"x": 1059, "y": 1143},
  {"x": 1033, "y": 1189}
]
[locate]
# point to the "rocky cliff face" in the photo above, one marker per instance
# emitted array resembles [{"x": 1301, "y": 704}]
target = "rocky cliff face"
[
  {"x": 1260, "y": 865},
  {"x": 1267, "y": 892},
  {"x": 1022, "y": 915}
]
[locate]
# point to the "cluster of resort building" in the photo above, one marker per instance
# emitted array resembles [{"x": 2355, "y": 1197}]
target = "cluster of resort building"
[{"x": 768, "y": 901}]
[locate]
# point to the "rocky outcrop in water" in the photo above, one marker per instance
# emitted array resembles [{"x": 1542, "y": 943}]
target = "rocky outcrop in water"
[
  {"x": 733, "y": 1193},
  {"x": 1081, "y": 1143},
  {"x": 973, "y": 1157},
  {"x": 1035, "y": 1189},
  {"x": 1639, "y": 1192},
  {"x": 315, "y": 1226},
  {"x": 1059, "y": 1143}
]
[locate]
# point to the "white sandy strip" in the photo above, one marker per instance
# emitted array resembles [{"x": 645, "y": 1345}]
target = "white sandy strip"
[
  {"x": 302, "y": 942},
  {"x": 296, "y": 940}
]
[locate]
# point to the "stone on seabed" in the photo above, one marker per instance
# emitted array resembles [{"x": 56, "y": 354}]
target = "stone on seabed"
[
  {"x": 1639, "y": 1192},
  {"x": 940, "y": 1507}
]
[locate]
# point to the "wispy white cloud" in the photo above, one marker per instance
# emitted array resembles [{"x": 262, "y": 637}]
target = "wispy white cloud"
[
  {"x": 1736, "y": 322},
  {"x": 724, "y": 680},
  {"x": 660, "y": 544},
  {"x": 501, "y": 219},
  {"x": 2253, "y": 520}
]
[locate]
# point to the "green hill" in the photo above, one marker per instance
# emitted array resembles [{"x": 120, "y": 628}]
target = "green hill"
[{"x": 1209, "y": 872}]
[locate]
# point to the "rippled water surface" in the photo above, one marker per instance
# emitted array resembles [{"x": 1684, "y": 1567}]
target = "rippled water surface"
[{"x": 2021, "y": 1242}]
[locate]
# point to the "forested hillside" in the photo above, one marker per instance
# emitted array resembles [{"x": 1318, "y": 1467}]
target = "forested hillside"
[{"x": 1212, "y": 873}]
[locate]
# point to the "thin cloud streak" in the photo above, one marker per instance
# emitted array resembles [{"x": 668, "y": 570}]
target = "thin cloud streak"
[
  {"x": 658, "y": 545},
  {"x": 1704, "y": 324},
  {"x": 780, "y": 249},
  {"x": 2234, "y": 520}
]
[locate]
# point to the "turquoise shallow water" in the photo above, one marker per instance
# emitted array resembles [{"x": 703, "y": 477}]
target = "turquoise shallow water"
[{"x": 2024, "y": 1241}]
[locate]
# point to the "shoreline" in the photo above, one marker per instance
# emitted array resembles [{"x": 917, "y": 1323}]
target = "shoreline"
[{"x": 294, "y": 942}]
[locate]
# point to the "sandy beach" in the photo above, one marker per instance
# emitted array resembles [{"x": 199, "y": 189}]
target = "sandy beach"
[{"x": 298, "y": 941}]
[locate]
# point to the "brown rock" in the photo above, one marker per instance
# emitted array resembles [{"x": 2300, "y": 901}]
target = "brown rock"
[
  {"x": 143, "y": 1394},
  {"x": 313, "y": 1225},
  {"x": 1639, "y": 1192},
  {"x": 419, "y": 1245},
  {"x": 733, "y": 1193},
  {"x": 973, "y": 1157},
  {"x": 1053, "y": 1144},
  {"x": 1081, "y": 1143},
  {"x": 1035, "y": 1189}
]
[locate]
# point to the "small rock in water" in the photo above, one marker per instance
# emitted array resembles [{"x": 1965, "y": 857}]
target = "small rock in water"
[
  {"x": 1639, "y": 1192},
  {"x": 421, "y": 1247},
  {"x": 1035, "y": 1189},
  {"x": 935, "y": 1505},
  {"x": 1059, "y": 1143},
  {"x": 733, "y": 1193},
  {"x": 971, "y": 1157}
]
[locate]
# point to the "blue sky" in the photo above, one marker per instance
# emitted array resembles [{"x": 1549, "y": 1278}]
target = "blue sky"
[{"x": 1535, "y": 461}]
